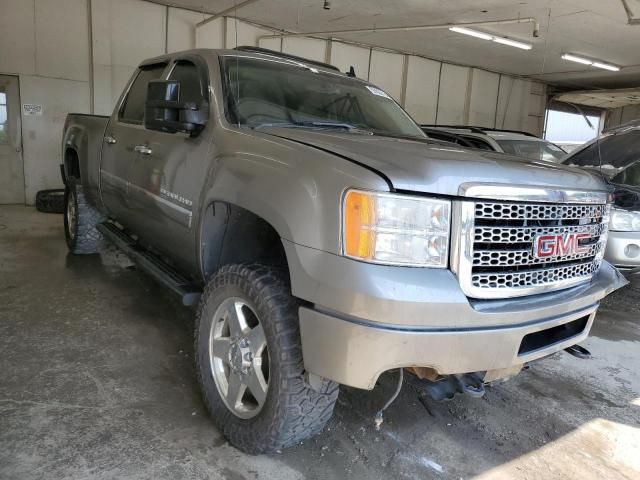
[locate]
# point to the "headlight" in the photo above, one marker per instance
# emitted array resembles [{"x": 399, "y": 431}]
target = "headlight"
[
  {"x": 624, "y": 220},
  {"x": 396, "y": 229}
]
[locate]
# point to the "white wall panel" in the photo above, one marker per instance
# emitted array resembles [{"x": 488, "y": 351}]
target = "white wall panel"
[
  {"x": 386, "y": 71},
  {"x": 311, "y": 48},
  {"x": 125, "y": 32},
  {"x": 452, "y": 102},
  {"x": 108, "y": 83},
  {"x": 62, "y": 39},
  {"x": 271, "y": 44},
  {"x": 534, "y": 125},
  {"x": 211, "y": 35},
  {"x": 513, "y": 103},
  {"x": 42, "y": 134},
  {"x": 484, "y": 98},
  {"x": 536, "y": 104},
  {"x": 421, "y": 97},
  {"x": 17, "y": 36},
  {"x": 182, "y": 29},
  {"x": 344, "y": 56},
  {"x": 247, "y": 34}
]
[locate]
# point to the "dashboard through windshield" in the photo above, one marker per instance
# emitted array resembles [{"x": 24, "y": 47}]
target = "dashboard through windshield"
[{"x": 276, "y": 93}]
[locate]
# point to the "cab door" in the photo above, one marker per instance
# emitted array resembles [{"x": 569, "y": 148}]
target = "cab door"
[
  {"x": 124, "y": 131},
  {"x": 168, "y": 174}
]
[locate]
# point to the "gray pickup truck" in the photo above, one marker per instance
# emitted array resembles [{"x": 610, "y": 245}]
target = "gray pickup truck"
[{"x": 325, "y": 239}]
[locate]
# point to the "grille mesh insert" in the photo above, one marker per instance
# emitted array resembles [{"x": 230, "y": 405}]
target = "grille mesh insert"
[{"x": 502, "y": 239}]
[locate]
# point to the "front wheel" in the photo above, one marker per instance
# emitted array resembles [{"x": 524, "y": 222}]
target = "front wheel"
[{"x": 249, "y": 362}]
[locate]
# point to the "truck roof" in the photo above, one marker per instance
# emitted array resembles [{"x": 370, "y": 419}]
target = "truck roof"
[{"x": 249, "y": 52}]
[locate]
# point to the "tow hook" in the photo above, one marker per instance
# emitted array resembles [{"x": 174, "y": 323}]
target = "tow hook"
[
  {"x": 446, "y": 388},
  {"x": 578, "y": 352}
]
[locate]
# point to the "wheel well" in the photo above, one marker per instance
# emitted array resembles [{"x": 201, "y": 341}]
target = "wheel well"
[
  {"x": 71, "y": 163},
  {"x": 232, "y": 234}
]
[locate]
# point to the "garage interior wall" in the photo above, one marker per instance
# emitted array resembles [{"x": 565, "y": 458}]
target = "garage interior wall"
[
  {"x": 77, "y": 55},
  {"x": 618, "y": 116}
]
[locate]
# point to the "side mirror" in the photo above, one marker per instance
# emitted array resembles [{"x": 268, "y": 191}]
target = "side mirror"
[{"x": 165, "y": 112}]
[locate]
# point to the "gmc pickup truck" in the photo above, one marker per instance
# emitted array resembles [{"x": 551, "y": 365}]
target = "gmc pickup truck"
[{"x": 325, "y": 239}]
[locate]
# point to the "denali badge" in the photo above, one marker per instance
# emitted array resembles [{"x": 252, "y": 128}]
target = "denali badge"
[{"x": 559, "y": 245}]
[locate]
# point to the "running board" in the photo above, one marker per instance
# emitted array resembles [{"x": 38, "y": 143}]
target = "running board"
[{"x": 152, "y": 265}]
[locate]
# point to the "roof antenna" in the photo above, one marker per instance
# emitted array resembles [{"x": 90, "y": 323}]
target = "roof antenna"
[{"x": 351, "y": 72}]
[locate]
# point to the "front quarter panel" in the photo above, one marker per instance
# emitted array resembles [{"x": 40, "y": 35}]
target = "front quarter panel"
[{"x": 297, "y": 189}]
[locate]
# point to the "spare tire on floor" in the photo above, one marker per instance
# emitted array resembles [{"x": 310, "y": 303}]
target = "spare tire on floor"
[{"x": 50, "y": 201}]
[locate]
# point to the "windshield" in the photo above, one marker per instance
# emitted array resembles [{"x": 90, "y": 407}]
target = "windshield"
[
  {"x": 533, "y": 149},
  {"x": 272, "y": 92}
]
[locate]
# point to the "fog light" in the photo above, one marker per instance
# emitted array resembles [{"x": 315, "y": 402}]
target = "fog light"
[{"x": 632, "y": 250}]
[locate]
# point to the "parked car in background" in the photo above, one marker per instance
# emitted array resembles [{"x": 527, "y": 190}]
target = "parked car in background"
[
  {"x": 616, "y": 156},
  {"x": 521, "y": 144}
]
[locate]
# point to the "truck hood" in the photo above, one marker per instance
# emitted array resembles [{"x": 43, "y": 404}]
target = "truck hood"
[{"x": 422, "y": 166}]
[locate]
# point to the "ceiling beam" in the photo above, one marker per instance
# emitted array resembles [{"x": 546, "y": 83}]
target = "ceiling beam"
[
  {"x": 536, "y": 28},
  {"x": 236, "y": 7}
]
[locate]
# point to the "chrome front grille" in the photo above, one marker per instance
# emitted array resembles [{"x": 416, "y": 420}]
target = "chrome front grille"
[
  {"x": 523, "y": 234},
  {"x": 512, "y": 258},
  {"x": 518, "y": 211},
  {"x": 495, "y": 256}
]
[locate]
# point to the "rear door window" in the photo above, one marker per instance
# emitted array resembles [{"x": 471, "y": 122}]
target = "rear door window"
[
  {"x": 132, "y": 110},
  {"x": 191, "y": 88}
]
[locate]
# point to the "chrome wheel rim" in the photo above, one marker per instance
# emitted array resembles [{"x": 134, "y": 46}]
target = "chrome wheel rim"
[
  {"x": 71, "y": 215},
  {"x": 238, "y": 357}
]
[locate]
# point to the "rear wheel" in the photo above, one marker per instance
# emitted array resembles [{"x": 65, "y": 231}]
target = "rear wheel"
[
  {"x": 80, "y": 221},
  {"x": 249, "y": 362}
]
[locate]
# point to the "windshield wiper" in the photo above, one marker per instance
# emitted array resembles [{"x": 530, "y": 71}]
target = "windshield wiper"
[
  {"x": 340, "y": 125},
  {"x": 346, "y": 126}
]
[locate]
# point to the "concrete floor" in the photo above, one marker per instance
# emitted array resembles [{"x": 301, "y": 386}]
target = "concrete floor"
[{"x": 96, "y": 381}]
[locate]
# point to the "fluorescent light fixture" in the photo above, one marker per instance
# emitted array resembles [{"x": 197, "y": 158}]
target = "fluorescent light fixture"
[
  {"x": 593, "y": 63},
  {"x": 512, "y": 43},
  {"x": 606, "y": 66},
  {"x": 573, "y": 58},
  {"x": 473, "y": 33},
  {"x": 486, "y": 36}
]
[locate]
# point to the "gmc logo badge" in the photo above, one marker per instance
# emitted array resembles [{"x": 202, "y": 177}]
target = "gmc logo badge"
[{"x": 547, "y": 246}]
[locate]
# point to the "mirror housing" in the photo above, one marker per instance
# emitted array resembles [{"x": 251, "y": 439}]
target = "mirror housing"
[{"x": 165, "y": 112}]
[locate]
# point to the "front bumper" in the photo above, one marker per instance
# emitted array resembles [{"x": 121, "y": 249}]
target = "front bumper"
[
  {"x": 365, "y": 319},
  {"x": 623, "y": 249}
]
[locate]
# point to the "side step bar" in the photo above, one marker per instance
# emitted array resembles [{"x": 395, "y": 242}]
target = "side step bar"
[{"x": 152, "y": 265}]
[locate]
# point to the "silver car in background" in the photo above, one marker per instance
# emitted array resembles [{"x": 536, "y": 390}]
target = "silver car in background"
[
  {"x": 616, "y": 156},
  {"x": 518, "y": 143}
]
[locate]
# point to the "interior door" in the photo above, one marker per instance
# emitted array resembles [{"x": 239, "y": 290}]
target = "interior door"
[
  {"x": 11, "y": 165},
  {"x": 124, "y": 131},
  {"x": 168, "y": 174}
]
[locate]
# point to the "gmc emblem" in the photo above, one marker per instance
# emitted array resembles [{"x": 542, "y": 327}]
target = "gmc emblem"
[{"x": 560, "y": 245}]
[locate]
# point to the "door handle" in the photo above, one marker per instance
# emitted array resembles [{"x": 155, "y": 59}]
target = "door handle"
[
  {"x": 109, "y": 140},
  {"x": 143, "y": 149}
]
